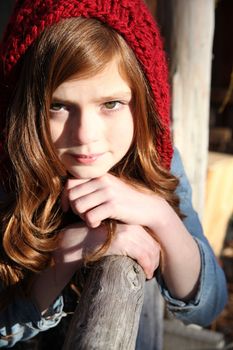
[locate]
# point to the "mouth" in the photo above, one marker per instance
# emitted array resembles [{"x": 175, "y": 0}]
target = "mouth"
[{"x": 87, "y": 158}]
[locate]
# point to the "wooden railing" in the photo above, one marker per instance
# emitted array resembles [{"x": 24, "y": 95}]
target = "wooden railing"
[{"x": 107, "y": 316}]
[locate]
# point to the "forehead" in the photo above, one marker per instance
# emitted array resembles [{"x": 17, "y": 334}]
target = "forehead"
[{"x": 109, "y": 80}]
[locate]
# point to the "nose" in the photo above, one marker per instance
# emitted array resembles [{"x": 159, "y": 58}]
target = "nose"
[{"x": 87, "y": 127}]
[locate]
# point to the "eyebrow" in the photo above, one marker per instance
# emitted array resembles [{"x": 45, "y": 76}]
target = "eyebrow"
[{"x": 114, "y": 96}]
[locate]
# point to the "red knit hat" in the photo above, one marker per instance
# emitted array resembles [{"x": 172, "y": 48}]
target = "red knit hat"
[{"x": 130, "y": 18}]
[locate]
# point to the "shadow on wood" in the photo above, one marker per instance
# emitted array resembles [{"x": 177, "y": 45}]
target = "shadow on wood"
[{"x": 107, "y": 316}]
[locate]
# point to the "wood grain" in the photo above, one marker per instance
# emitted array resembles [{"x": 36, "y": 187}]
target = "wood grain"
[{"x": 107, "y": 316}]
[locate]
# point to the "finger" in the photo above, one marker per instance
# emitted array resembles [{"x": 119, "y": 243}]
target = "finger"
[
  {"x": 70, "y": 183},
  {"x": 155, "y": 262},
  {"x": 148, "y": 267},
  {"x": 84, "y": 188},
  {"x": 95, "y": 216},
  {"x": 147, "y": 252},
  {"x": 88, "y": 202}
]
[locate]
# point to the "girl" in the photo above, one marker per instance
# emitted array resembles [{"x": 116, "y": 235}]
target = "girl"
[{"x": 86, "y": 153}]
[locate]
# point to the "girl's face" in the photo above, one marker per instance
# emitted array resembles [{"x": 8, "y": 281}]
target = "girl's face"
[{"x": 91, "y": 122}]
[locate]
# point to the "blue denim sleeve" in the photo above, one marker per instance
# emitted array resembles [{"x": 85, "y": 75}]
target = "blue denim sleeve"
[
  {"x": 211, "y": 296},
  {"x": 21, "y": 320}
]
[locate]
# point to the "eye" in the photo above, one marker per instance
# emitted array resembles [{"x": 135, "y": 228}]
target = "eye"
[
  {"x": 112, "y": 104},
  {"x": 56, "y": 107}
]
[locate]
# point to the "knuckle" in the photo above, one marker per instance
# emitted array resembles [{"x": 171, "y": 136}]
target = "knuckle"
[
  {"x": 108, "y": 193},
  {"x": 113, "y": 206},
  {"x": 103, "y": 180},
  {"x": 147, "y": 264},
  {"x": 154, "y": 253},
  {"x": 90, "y": 218},
  {"x": 79, "y": 206},
  {"x": 106, "y": 179},
  {"x": 71, "y": 194},
  {"x": 142, "y": 259}
]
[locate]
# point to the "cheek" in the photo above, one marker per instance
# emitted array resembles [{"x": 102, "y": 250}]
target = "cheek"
[
  {"x": 56, "y": 132},
  {"x": 127, "y": 132},
  {"x": 121, "y": 134}
]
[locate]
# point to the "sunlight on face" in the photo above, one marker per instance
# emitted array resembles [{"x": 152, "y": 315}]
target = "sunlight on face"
[{"x": 91, "y": 122}]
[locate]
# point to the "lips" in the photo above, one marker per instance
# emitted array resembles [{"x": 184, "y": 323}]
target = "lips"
[{"x": 87, "y": 158}]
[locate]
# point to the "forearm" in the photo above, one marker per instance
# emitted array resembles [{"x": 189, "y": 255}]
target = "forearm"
[
  {"x": 181, "y": 261},
  {"x": 67, "y": 259},
  {"x": 50, "y": 283},
  {"x": 181, "y": 266},
  {"x": 210, "y": 298}
]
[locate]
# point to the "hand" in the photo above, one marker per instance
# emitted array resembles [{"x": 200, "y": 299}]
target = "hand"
[
  {"x": 129, "y": 240},
  {"x": 134, "y": 241},
  {"x": 109, "y": 197}
]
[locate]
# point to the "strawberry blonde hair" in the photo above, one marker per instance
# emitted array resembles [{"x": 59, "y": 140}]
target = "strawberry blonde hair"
[{"x": 31, "y": 170}]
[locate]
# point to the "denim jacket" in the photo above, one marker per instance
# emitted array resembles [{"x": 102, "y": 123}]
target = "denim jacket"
[{"x": 22, "y": 320}]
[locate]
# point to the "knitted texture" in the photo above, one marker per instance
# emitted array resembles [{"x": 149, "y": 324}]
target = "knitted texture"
[{"x": 130, "y": 18}]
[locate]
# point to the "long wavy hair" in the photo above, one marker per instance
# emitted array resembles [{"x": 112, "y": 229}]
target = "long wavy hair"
[{"x": 32, "y": 171}]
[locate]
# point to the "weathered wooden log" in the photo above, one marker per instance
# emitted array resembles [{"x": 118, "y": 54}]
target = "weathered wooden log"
[
  {"x": 107, "y": 316},
  {"x": 189, "y": 29},
  {"x": 151, "y": 330}
]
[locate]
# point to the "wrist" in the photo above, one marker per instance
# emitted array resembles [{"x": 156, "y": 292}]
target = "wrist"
[{"x": 162, "y": 218}]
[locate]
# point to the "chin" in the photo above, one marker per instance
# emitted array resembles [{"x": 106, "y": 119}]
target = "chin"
[{"x": 89, "y": 173}]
